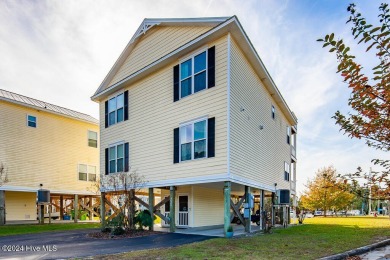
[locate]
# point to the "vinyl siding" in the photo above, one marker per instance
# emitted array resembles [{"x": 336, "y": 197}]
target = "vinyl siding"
[
  {"x": 20, "y": 205},
  {"x": 157, "y": 42},
  {"x": 256, "y": 155},
  {"x": 48, "y": 154},
  {"x": 208, "y": 206},
  {"x": 153, "y": 115}
]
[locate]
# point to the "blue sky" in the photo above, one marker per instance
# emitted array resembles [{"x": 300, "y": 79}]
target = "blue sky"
[{"x": 60, "y": 51}]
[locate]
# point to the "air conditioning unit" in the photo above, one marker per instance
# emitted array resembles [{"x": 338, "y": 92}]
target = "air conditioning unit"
[
  {"x": 43, "y": 196},
  {"x": 283, "y": 196}
]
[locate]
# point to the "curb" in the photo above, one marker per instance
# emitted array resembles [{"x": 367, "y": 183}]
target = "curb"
[{"x": 357, "y": 251}]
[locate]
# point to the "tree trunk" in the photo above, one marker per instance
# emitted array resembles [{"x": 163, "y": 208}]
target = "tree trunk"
[{"x": 131, "y": 210}]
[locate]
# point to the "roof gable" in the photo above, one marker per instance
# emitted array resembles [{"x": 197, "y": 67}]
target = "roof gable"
[{"x": 169, "y": 35}]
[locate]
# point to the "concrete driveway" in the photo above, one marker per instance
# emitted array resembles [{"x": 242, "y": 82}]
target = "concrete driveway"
[{"x": 66, "y": 244}]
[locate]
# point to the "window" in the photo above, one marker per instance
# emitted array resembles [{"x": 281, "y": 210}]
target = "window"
[
  {"x": 116, "y": 158},
  {"x": 116, "y": 109},
  {"x": 273, "y": 112},
  {"x": 87, "y": 172},
  {"x": 288, "y": 134},
  {"x": 92, "y": 139},
  {"x": 286, "y": 171},
  {"x": 193, "y": 140},
  {"x": 31, "y": 121},
  {"x": 193, "y": 74}
]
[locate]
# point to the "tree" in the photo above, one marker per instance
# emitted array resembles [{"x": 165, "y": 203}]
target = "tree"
[
  {"x": 125, "y": 184},
  {"x": 370, "y": 97},
  {"x": 326, "y": 192}
]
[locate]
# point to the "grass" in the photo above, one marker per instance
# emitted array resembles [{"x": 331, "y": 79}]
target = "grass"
[
  {"x": 318, "y": 237},
  {"x": 35, "y": 228}
]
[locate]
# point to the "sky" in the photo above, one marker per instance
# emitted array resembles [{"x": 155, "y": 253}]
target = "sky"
[{"x": 60, "y": 51}]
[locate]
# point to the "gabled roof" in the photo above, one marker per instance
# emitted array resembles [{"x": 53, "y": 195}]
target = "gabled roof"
[
  {"x": 221, "y": 26},
  {"x": 147, "y": 24},
  {"x": 44, "y": 106}
]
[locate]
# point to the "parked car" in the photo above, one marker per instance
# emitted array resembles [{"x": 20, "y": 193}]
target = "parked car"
[
  {"x": 308, "y": 215},
  {"x": 318, "y": 213}
]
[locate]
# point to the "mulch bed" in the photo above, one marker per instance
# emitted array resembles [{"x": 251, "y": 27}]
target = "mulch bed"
[{"x": 127, "y": 234}]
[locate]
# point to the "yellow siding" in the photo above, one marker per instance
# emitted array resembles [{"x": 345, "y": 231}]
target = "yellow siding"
[
  {"x": 20, "y": 205},
  {"x": 256, "y": 155},
  {"x": 153, "y": 115},
  {"x": 208, "y": 206},
  {"x": 157, "y": 42},
  {"x": 48, "y": 154}
]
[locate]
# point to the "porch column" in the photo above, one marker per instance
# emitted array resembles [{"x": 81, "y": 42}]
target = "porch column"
[
  {"x": 247, "y": 200},
  {"x": 90, "y": 205},
  {"x": 262, "y": 220},
  {"x": 172, "y": 212},
  {"x": 103, "y": 209},
  {"x": 61, "y": 207},
  {"x": 41, "y": 214},
  {"x": 2, "y": 207},
  {"x": 273, "y": 209},
  {"x": 151, "y": 207},
  {"x": 76, "y": 207},
  {"x": 226, "y": 208}
]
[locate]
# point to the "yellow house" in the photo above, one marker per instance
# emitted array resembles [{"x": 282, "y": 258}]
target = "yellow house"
[
  {"x": 191, "y": 107},
  {"x": 44, "y": 146}
]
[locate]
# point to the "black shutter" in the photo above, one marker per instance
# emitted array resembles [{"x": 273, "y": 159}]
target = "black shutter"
[
  {"x": 176, "y": 145},
  {"x": 106, "y": 112},
  {"x": 211, "y": 67},
  {"x": 211, "y": 137},
  {"x": 176, "y": 83},
  {"x": 126, "y": 106},
  {"x": 126, "y": 157},
  {"x": 106, "y": 164}
]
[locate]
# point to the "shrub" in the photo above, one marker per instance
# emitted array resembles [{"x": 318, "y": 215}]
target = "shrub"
[
  {"x": 143, "y": 219},
  {"x": 230, "y": 229}
]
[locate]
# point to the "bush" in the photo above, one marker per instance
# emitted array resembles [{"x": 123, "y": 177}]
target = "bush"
[
  {"x": 118, "y": 231},
  {"x": 143, "y": 219},
  {"x": 105, "y": 230},
  {"x": 230, "y": 229}
]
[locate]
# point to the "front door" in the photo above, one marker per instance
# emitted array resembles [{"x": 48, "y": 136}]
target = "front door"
[{"x": 183, "y": 210}]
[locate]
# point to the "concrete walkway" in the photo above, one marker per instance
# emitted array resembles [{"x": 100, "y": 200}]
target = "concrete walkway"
[
  {"x": 377, "y": 254},
  {"x": 66, "y": 244}
]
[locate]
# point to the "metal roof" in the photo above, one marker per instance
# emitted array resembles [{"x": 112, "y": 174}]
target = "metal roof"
[{"x": 44, "y": 106}]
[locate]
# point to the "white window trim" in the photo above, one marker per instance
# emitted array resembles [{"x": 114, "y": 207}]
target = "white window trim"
[
  {"x": 193, "y": 122},
  {"x": 116, "y": 108},
  {"x": 116, "y": 158},
  {"x": 36, "y": 121},
  {"x": 97, "y": 138},
  {"x": 288, "y": 130},
  {"x": 88, "y": 165},
  {"x": 192, "y": 57},
  {"x": 284, "y": 171}
]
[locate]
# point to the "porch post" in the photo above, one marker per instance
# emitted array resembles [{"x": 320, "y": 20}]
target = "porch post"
[
  {"x": 41, "y": 214},
  {"x": 262, "y": 220},
  {"x": 226, "y": 201},
  {"x": 172, "y": 211},
  {"x": 76, "y": 208},
  {"x": 90, "y": 200},
  {"x": 2, "y": 207},
  {"x": 248, "y": 220},
  {"x": 61, "y": 207},
  {"x": 151, "y": 207},
  {"x": 103, "y": 209}
]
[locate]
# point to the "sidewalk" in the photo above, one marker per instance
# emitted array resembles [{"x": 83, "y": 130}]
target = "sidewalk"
[{"x": 377, "y": 254}]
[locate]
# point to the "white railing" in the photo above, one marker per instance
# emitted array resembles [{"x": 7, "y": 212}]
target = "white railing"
[
  {"x": 166, "y": 214},
  {"x": 183, "y": 218},
  {"x": 293, "y": 152}
]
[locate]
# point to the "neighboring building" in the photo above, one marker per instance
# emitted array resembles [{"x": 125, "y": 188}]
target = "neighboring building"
[
  {"x": 190, "y": 106},
  {"x": 45, "y": 146}
]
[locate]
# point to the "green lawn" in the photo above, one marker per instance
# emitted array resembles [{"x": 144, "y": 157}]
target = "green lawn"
[
  {"x": 316, "y": 238},
  {"x": 35, "y": 228}
]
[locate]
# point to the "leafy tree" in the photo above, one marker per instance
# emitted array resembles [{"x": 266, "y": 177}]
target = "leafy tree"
[
  {"x": 370, "y": 97},
  {"x": 326, "y": 192}
]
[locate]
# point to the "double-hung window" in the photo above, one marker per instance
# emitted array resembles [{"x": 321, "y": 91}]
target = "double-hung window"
[
  {"x": 193, "y": 140},
  {"x": 286, "y": 171},
  {"x": 288, "y": 134},
  {"x": 31, "y": 121},
  {"x": 92, "y": 139},
  {"x": 87, "y": 172},
  {"x": 116, "y": 109},
  {"x": 116, "y": 158},
  {"x": 273, "y": 112},
  {"x": 193, "y": 74}
]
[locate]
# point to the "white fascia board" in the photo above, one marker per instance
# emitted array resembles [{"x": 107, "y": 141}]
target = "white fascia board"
[
  {"x": 47, "y": 110},
  {"x": 29, "y": 189},
  {"x": 250, "y": 183}
]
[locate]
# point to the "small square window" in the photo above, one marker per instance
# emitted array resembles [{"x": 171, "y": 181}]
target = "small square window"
[
  {"x": 31, "y": 121},
  {"x": 92, "y": 139},
  {"x": 87, "y": 172}
]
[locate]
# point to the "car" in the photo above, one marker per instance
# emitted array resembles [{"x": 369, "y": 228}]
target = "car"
[
  {"x": 308, "y": 215},
  {"x": 317, "y": 213}
]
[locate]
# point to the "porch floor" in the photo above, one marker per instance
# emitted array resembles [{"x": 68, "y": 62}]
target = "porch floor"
[{"x": 209, "y": 231}]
